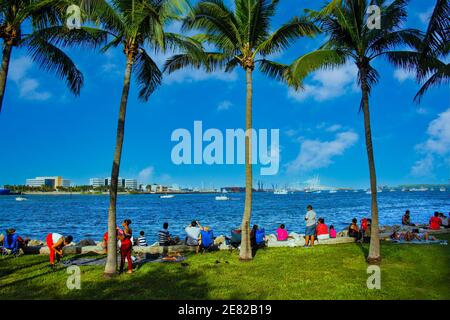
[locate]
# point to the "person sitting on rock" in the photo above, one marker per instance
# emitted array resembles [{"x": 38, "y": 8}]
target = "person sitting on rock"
[
  {"x": 333, "y": 233},
  {"x": 193, "y": 232},
  {"x": 353, "y": 230},
  {"x": 165, "y": 238},
  {"x": 55, "y": 243},
  {"x": 406, "y": 219},
  {"x": 142, "y": 240},
  {"x": 322, "y": 230},
  {"x": 444, "y": 220},
  {"x": 435, "y": 222},
  {"x": 282, "y": 234}
]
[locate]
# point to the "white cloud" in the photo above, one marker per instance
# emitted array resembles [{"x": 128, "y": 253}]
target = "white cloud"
[
  {"x": 423, "y": 167},
  {"x": 18, "y": 68},
  {"x": 438, "y": 131},
  {"x": 435, "y": 147},
  {"x": 224, "y": 105},
  {"x": 28, "y": 87},
  {"x": 327, "y": 84},
  {"x": 146, "y": 174},
  {"x": 334, "y": 128},
  {"x": 194, "y": 75},
  {"x": 426, "y": 15},
  {"x": 316, "y": 154},
  {"x": 402, "y": 75}
]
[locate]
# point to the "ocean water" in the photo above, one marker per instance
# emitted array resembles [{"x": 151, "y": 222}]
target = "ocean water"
[{"x": 85, "y": 216}]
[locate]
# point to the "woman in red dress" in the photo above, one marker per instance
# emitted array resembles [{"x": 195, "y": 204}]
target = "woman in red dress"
[{"x": 126, "y": 246}]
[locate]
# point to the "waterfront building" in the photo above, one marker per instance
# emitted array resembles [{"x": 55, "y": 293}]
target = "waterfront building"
[{"x": 51, "y": 182}]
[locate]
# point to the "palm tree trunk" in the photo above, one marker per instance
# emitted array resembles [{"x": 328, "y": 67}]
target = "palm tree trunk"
[
  {"x": 374, "y": 256},
  {"x": 111, "y": 260},
  {"x": 6, "y": 56},
  {"x": 246, "y": 248}
]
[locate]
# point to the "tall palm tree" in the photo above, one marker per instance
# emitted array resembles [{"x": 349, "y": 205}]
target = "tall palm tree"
[
  {"x": 136, "y": 26},
  {"x": 429, "y": 59},
  {"x": 351, "y": 39},
  {"x": 242, "y": 37},
  {"x": 19, "y": 15}
]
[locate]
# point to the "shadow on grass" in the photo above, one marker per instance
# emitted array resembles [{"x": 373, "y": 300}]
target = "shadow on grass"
[{"x": 173, "y": 281}]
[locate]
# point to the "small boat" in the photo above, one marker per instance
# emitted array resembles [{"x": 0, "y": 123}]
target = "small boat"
[
  {"x": 21, "y": 199},
  {"x": 333, "y": 191},
  {"x": 391, "y": 190},
  {"x": 368, "y": 192},
  {"x": 282, "y": 191},
  {"x": 166, "y": 196},
  {"x": 318, "y": 191},
  {"x": 422, "y": 189},
  {"x": 222, "y": 198},
  {"x": 442, "y": 189}
]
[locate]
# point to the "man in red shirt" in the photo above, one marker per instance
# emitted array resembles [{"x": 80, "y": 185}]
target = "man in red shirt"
[{"x": 435, "y": 222}]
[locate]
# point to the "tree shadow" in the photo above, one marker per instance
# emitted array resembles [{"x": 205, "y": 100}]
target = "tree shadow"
[{"x": 153, "y": 280}]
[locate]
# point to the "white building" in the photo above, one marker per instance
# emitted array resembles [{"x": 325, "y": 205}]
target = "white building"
[
  {"x": 52, "y": 182},
  {"x": 123, "y": 183},
  {"x": 131, "y": 184}
]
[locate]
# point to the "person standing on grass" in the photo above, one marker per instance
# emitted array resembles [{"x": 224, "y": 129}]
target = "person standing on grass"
[
  {"x": 310, "y": 230},
  {"x": 126, "y": 246},
  {"x": 55, "y": 243}
]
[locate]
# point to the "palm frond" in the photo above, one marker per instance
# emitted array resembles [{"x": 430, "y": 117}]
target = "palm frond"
[
  {"x": 149, "y": 76},
  {"x": 284, "y": 36},
  {"x": 310, "y": 62},
  {"x": 52, "y": 59},
  {"x": 274, "y": 70},
  {"x": 437, "y": 35},
  {"x": 442, "y": 76}
]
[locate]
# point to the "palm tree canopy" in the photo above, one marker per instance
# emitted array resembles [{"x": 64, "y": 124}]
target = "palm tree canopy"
[
  {"x": 351, "y": 38},
  {"x": 39, "y": 15},
  {"x": 135, "y": 25},
  {"x": 241, "y": 36},
  {"x": 429, "y": 56}
]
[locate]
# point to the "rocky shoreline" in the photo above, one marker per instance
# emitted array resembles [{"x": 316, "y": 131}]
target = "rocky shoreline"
[{"x": 295, "y": 240}]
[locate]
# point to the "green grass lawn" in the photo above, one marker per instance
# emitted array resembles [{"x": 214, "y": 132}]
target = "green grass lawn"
[{"x": 322, "y": 272}]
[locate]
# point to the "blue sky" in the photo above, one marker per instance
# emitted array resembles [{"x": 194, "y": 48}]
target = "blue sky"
[{"x": 47, "y": 131}]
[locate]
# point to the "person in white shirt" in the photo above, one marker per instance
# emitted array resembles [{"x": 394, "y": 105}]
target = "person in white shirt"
[
  {"x": 193, "y": 235},
  {"x": 310, "y": 219}
]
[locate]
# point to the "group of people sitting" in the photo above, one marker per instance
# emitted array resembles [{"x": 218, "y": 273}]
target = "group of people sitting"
[{"x": 436, "y": 221}]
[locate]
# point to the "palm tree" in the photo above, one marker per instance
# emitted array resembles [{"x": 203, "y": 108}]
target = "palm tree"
[
  {"x": 242, "y": 37},
  {"x": 351, "y": 39},
  {"x": 136, "y": 25},
  {"x": 428, "y": 61},
  {"x": 37, "y": 14}
]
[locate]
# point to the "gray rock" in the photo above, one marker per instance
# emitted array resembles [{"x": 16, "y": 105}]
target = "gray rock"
[{"x": 86, "y": 242}]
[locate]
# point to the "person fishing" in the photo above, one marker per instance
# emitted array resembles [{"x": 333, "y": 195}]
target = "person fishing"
[{"x": 55, "y": 243}]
